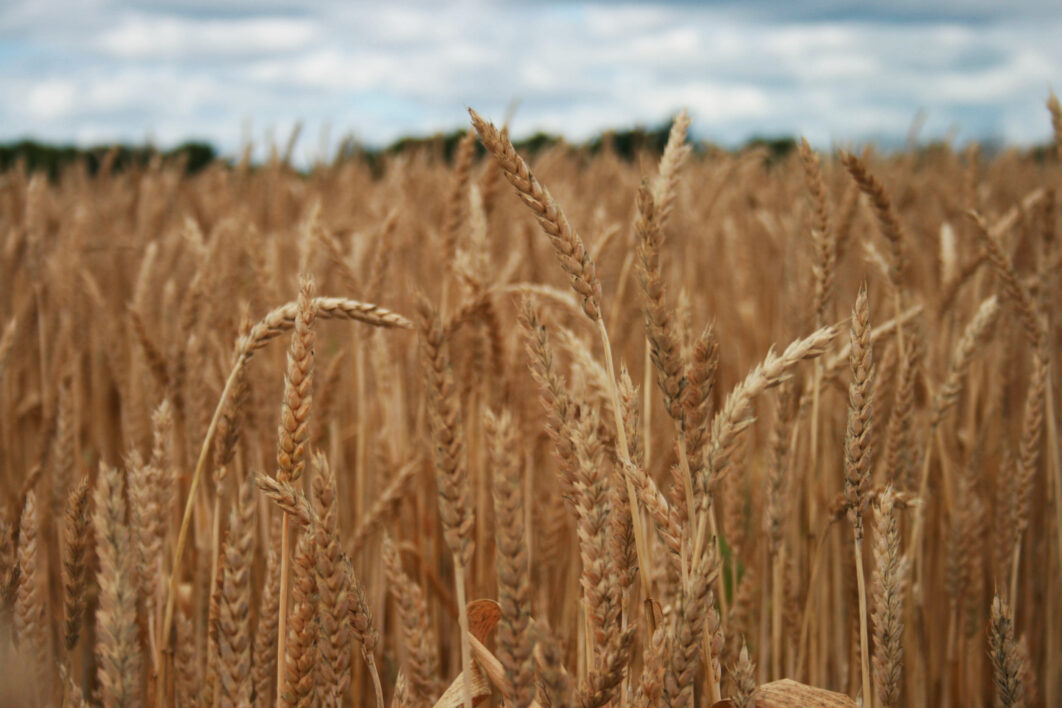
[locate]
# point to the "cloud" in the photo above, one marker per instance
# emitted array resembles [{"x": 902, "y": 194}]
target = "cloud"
[
  {"x": 50, "y": 99},
  {"x": 123, "y": 70},
  {"x": 141, "y": 37}
]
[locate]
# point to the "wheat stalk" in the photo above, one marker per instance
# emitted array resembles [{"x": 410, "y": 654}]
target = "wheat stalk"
[
  {"x": 887, "y": 599},
  {"x": 857, "y": 460},
  {"x": 451, "y": 472},
  {"x": 234, "y": 630},
  {"x": 514, "y": 636},
  {"x": 117, "y": 641}
]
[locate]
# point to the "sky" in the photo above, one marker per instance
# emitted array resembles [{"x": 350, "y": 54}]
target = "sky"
[{"x": 166, "y": 71}]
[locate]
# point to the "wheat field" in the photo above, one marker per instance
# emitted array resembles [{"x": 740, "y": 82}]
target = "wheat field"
[{"x": 700, "y": 426}]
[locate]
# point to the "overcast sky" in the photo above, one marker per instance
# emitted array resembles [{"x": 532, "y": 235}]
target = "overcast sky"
[{"x": 103, "y": 70}]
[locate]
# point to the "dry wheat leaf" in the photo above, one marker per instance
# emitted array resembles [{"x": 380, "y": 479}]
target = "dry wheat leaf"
[
  {"x": 455, "y": 694},
  {"x": 791, "y": 694},
  {"x": 483, "y": 616}
]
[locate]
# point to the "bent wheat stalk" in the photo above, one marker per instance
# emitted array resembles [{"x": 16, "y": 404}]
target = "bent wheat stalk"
[
  {"x": 575, "y": 260},
  {"x": 269, "y": 327}
]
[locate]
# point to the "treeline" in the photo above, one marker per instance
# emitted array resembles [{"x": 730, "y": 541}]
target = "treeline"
[
  {"x": 51, "y": 159},
  {"x": 626, "y": 144},
  {"x": 194, "y": 156}
]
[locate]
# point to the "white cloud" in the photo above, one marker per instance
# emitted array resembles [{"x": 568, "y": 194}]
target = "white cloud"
[
  {"x": 179, "y": 68},
  {"x": 150, "y": 37},
  {"x": 49, "y": 99}
]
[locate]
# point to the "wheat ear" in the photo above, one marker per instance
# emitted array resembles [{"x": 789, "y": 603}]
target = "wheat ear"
[
  {"x": 899, "y": 455},
  {"x": 744, "y": 680},
  {"x": 575, "y": 260},
  {"x": 1006, "y": 662},
  {"x": 303, "y": 645},
  {"x": 466, "y": 150},
  {"x": 234, "y": 618},
  {"x": 1055, "y": 109},
  {"x": 271, "y": 326},
  {"x": 946, "y": 397},
  {"x": 857, "y": 461},
  {"x": 514, "y": 585},
  {"x": 117, "y": 634},
  {"x": 888, "y": 221},
  {"x": 822, "y": 237},
  {"x": 451, "y": 472},
  {"x": 1029, "y": 455},
  {"x": 187, "y": 683},
  {"x": 553, "y": 392},
  {"x": 696, "y": 603},
  {"x": 887, "y": 595},
  {"x": 568, "y": 247},
  {"x": 293, "y": 438},
  {"x": 676, "y": 152},
  {"x": 363, "y": 628},
  {"x": 659, "y": 322},
  {"x": 333, "y": 588},
  {"x": 1013, "y": 287},
  {"x": 777, "y": 507},
  {"x": 420, "y": 662},
  {"x": 733, "y": 417},
  {"x": 31, "y": 631},
  {"x": 77, "y": 535},
  {"x": 265, "y": 635}
]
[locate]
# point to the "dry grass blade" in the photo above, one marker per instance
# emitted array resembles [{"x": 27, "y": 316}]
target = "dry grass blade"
[{"x": 790, "y": 694}]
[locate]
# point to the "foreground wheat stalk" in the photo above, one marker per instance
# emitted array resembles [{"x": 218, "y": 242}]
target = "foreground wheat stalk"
[
  {"x": 582, "y": 275},
  {"x": 276, "y": 322},
  {"x": 857, "y": 464}
]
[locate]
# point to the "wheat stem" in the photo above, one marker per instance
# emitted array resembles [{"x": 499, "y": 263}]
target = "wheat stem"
[{"x": 623, "y": 452}]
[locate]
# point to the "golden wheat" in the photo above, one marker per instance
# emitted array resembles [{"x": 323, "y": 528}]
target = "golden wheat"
[{"x": 461, "y": 421}]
